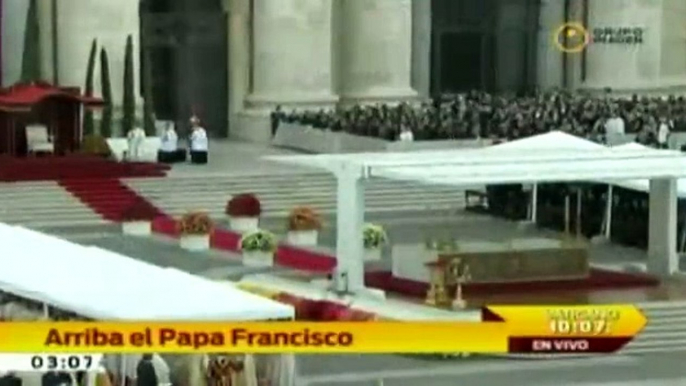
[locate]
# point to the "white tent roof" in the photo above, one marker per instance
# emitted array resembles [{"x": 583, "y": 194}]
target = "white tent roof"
[
  {"x": 105, "y": 285},
  {"x": 551, "y": 157},
  {"x": 551, "y": 140},
  {"x": 643, "y": 184}
]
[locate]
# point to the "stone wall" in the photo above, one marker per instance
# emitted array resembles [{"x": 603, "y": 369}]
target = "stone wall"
[
  {"x": 13, "y": 27},
  {"x": 658, "y": 63},
  {"x": 79, "y": 22}
]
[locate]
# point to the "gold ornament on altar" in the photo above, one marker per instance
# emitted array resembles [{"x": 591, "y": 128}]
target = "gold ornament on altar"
[
  {"x": 459, "y": 275},
  {"x": 437, "y": 295}
]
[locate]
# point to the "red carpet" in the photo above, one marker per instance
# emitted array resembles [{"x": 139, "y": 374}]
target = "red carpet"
[
  {"x": 74, "y": 167},
  {"x": 108, "y": 197},
  {"x": 598, "y": 280},
  {"x": 286, "y": 255}
]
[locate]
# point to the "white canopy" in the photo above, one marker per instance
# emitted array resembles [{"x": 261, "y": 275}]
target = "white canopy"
[
  {"x": 101, "y": 284},
  {"x": 643, "y": 185},
  {"x": 558, "y": 157}
]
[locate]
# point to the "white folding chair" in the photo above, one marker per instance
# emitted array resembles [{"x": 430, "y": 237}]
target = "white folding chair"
[{"x": 37, "y": 139}]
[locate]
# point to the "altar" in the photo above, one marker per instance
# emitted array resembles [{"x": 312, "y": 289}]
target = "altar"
[{"x": 512, "y": 261}]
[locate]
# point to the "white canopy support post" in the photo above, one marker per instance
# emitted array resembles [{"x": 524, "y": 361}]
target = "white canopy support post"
[
  {"x": 567, "y": 214},
  {"x": 609, "y": 204},
  {"x": 349, "y": 274},
  {"x": 534, "y": 203},
  {"x": 578, "y": 212},
  {"x": 663, "y": 259},
  {"x": 46, "y": 311}
]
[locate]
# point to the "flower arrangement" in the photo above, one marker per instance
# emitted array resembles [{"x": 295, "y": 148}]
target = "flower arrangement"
[
  {"x": 195, "y": 223},
  {"x": 244, "y": 205},
  {"x": 259, "y": 241},
  {"x": 304, "y": 219},
  {"x": 374, "y": 236},
  {"x": 140, "y": 210}
]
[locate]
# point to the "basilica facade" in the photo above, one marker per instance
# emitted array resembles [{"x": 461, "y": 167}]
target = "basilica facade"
[{"x": 232, "y": 61}]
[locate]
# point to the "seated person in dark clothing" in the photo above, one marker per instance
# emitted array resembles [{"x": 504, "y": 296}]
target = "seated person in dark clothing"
[
  {"x": 54, "y": 378},
  {"x": 10, "y": 379},
  {"x": 275, "y": 118},
  {"x": 145, "y": 372}
]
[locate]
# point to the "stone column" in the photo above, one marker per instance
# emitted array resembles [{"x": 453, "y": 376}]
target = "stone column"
[
  {"x": 549, "y": 66},
  {"x": 108, "y": 21},
  {"x": 13, "y": 29},
  {"x": 421, "y": 47},
  {"x": 376, "y": 50},
  {"x": 291, "y": 53},
  {"x": 239, "y": 54},
  {"x": 663, "y": 259}
]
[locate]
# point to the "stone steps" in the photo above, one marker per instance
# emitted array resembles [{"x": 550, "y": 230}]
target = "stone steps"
[
  {"x": 44, "y": 203},
  {"x": 665, "y": 331},
  {"x": 280, "y": 193}
]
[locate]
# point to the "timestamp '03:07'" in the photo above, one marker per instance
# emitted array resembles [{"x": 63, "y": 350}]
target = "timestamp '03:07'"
[
  {"x": 67, "y": 362},
  {"x": 579, "y": 327}
]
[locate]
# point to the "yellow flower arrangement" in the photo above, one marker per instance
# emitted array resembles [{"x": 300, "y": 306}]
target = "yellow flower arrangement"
[{"x": 195, "y": 223}]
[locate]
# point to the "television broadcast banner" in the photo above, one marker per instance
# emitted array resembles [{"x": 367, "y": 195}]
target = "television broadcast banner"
[{"x": 503, "y": 329}]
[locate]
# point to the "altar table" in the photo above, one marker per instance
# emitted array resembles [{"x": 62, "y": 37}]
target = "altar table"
[{"x": 517, "y": 260}]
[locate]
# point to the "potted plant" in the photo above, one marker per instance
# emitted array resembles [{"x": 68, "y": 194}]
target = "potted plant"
[
  {"x": 137, "y": 219},
  {"x": 244, "y": 212},
  {"x": 303, "y": 227},
  {"x": 258, "y": 248},
  {"x": 375, "y": 238},
  {"x": 195, "y": 229}
]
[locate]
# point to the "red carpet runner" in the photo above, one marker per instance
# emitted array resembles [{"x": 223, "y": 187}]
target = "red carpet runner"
[
  {"x": 50, "y": 168},
  {"x": 109, "y": 197},
  {"x": 310, "y": 261}
]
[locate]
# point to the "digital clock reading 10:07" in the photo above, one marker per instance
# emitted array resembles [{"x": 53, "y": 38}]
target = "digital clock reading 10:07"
[
  {"x": 66, "y": 362},
  {"x": 582, "y": 322}
]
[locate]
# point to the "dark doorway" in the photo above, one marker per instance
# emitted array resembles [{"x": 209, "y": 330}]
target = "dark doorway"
[
  {"x": 462, "y": 61},
  {"x": 187, "y": 44},
  {"x": 484, "y": 44}
]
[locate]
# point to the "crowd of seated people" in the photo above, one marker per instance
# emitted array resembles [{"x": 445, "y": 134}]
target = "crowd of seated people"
[
  {"x": 483, "y": 115},
  {"x": 630, "y": 210}
]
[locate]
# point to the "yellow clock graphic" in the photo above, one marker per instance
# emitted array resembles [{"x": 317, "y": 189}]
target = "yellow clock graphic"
[{"x": 571, "y": 38}]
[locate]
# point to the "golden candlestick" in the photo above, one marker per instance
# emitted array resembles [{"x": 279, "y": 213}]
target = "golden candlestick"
[
  {"x": 459, "y": 273},
  {"x": 437, "y": 295}
]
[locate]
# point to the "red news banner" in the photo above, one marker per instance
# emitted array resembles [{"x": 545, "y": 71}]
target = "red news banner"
[
  {"x": 503, "y": 329},
  {"x": 569, "y": 329}
]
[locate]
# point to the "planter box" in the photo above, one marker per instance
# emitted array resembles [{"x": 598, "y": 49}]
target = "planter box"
[
  {"x": 137, "y": 228},
  {"x": 244, "y": 224},
  {"x": 313, "y": 140},
  {"x": 258, "y": 259},
  {"x": 195, "y": 242},
  {"x": 302, "y": 238},
  {"x": 372, "y": 254}
]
